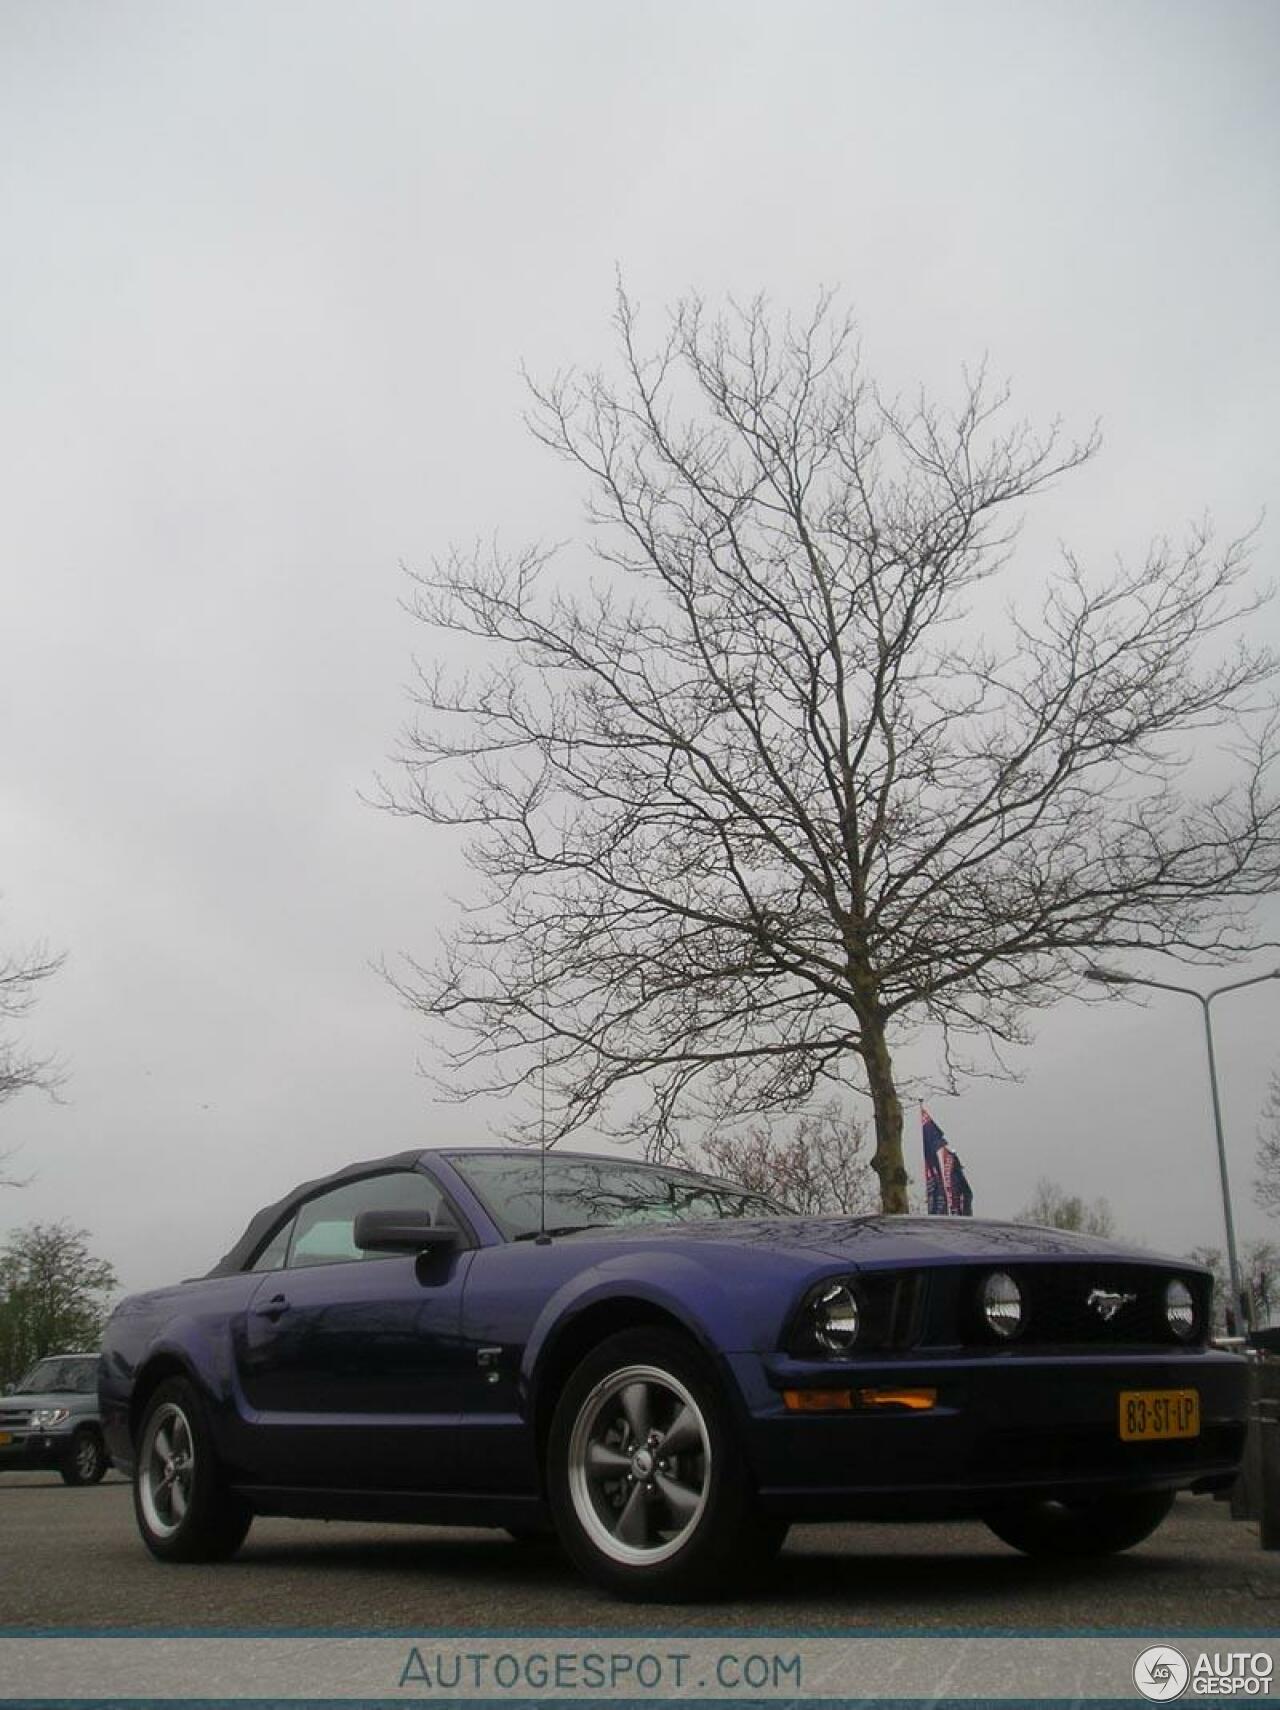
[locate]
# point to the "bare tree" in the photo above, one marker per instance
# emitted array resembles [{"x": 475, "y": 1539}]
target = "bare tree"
[
  {"x": 819, "y": 1169},
  {"x": 1057, "y": 1209},
  {"x": 761, "y": 777},
  {"x": 1258, "y": 1272},
  {"x": 20, "y": 979},
  {"x": 1266, "y": 1184}
]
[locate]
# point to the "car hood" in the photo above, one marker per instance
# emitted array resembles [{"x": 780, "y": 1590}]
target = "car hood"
[{"x": 881, "y": 1240}]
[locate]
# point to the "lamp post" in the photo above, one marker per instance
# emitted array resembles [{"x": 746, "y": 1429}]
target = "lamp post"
[{"x": 1109, "y": 977}]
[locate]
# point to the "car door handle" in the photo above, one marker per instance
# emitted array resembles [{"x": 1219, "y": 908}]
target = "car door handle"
[{"x": 274, "y": 1308}]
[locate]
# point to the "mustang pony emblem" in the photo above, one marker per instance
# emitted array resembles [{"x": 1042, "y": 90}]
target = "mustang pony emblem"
[{"x": 1106, "y": 1304}]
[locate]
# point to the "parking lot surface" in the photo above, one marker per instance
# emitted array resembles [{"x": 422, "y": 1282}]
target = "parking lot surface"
[{"x": 74, "y": 1561}]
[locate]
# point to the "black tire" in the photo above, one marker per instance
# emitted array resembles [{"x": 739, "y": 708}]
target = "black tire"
[
  {"x": 1100, "y": 1526},
  {"x": 184, "y": 1511},
  {"x": 86, "y": 1461},
  {"x": 648, "y": 1525}
]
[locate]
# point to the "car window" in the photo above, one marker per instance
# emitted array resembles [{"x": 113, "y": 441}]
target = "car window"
[
  {"x": 595, "y": 1193},
  {"x": 322, "y": 1233},
  {"x": 276, "y": 1251},
  {"x": 75, "y": 1376}
]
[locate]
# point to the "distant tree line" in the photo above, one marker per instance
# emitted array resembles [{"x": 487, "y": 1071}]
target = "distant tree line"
[{"x": 55, "y": 1296}]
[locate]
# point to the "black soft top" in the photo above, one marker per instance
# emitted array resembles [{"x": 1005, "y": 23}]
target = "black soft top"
[{"x": 263, "y": 1222}]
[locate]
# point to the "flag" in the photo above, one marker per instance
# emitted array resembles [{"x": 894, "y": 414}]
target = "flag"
[{"x": 946, "y": 1187}]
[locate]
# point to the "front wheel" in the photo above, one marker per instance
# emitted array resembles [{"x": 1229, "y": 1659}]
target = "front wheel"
[
  {"x": 184, "y": 1512},
  {"x": 86, "y": 1462},
  {"x": 648, "y": 1484},
  {"x": 1100, "y": 1526}
]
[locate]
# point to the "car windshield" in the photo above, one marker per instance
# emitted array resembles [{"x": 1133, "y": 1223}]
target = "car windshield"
[
  {"x": 588, "y": 1193},
  {"x": 76, "y": 1374}
]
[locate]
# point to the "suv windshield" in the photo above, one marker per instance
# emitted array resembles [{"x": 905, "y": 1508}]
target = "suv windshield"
[
  {"x": 584, "y": 1193},
  {"x": 76, "y": 1374}
]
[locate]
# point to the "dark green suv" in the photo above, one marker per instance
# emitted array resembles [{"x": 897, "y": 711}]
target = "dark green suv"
[{"x": 50, "y": 1419}]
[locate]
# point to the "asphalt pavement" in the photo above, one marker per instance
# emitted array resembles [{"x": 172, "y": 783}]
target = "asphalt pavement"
[{"x": 71, "y": 1559}]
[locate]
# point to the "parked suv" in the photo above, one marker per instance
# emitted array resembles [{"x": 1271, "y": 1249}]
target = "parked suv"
[{"x": 50, "y": 1419}]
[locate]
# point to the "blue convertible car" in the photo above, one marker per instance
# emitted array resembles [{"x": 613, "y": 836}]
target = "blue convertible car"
[{"x": 662, "y": 1368}]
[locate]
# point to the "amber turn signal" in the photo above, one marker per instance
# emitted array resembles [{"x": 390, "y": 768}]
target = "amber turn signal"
[
  {"x": 846, "y": 1400},
  {"x": 916, "y": 1400},
  {"x": 818, "y": 1400}
]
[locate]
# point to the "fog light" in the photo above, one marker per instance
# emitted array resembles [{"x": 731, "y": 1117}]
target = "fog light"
[
  {"x": 1002, "y": 1304},
  {"x": 835, "y": 1318},
  {"x": 1180, "y": 1309}
]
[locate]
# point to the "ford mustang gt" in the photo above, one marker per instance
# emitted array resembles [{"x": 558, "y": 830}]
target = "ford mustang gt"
[{"x": 663, "y": 1369}]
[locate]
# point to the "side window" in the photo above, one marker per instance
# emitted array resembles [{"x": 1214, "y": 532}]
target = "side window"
[
  {"x": 272, "y": 1256},
  {"x": 323, "y": 1230}
]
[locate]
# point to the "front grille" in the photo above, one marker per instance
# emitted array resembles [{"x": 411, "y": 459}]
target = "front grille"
[
  {"x": 1058, "y": 1309},
  {"x": 14, "y": 1418}
]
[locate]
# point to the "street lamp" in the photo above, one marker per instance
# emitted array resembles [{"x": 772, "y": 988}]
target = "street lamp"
[{"x": 1110, "y": 977}]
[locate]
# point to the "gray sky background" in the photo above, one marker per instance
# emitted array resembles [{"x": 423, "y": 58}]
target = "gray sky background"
[{"x": 269, "y": 273}]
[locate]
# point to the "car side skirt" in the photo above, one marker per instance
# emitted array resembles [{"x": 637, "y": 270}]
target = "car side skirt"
[{"x": 411, "y": 1507}]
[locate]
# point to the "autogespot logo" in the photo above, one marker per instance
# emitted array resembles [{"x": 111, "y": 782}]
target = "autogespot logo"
[{"x": 1161, "y": 1673}]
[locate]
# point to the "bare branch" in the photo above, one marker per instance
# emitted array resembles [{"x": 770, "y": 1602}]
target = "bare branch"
[{"x": 21, "y": 977}]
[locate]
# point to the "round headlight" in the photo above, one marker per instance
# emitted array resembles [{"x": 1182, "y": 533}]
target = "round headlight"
[
  {"x": 835, "y": 1318},
  {"x": 1002, "y": 1304},
  {"x": 1180, "y": 1309}
]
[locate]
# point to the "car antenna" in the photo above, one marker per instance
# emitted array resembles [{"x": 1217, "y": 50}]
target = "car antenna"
[{"x": 543, "y": 1240}]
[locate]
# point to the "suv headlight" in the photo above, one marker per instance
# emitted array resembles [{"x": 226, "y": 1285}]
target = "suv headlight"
[
  {"x": 45, "y": 1418},
  {"x": 1180, "y": 1309}
]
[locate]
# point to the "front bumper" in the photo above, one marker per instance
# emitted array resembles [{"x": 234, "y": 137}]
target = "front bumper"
[
  {"x": 1004, "y": 1426},
  {"x": 34, "y": 1451}
]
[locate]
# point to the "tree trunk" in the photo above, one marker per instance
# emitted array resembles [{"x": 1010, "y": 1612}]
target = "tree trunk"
[{"x": 887, "y": 1161}]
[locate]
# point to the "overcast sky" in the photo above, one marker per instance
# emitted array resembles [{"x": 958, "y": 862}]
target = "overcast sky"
[{"x": 269, "y": 274}]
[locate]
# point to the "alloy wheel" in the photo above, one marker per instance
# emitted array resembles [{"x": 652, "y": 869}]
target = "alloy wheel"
[
  {"x": 639, "y": 1464},
  {"x": 87, "y": 1454},
  {"x": 166, "y": 1470}
]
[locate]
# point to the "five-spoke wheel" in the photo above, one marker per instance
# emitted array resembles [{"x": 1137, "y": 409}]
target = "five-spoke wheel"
[
  {"x": 166, "y": 1469},
  {"x": 640, "y": 1464},
  {"x": 647, "y": 1482},
  {"x": 184, "y": 1511}
]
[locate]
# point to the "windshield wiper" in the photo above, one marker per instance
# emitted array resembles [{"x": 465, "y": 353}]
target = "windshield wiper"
[{"x": 557, "y": 1229}]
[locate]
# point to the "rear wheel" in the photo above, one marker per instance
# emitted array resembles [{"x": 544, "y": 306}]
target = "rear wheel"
[
  {"x": 1101, "y": 1526},
  {"x": 648, "y": 1485},
  {"x": 86, "y": 1461},
  {"x": 184, "y": 1511}
]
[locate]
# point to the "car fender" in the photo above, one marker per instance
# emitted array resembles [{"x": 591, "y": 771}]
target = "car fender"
[
  {"x": 679, "y": 1286},
  {"x": 186, "y": 1343}
]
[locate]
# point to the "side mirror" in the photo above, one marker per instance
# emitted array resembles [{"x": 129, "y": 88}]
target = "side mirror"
[{"x": 402, "y": 1232}]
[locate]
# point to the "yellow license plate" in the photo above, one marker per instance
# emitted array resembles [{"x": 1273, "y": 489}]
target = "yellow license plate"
[
  {"x": 5, "y": 1438},
  {"x": 1152, "y": 1415}
]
